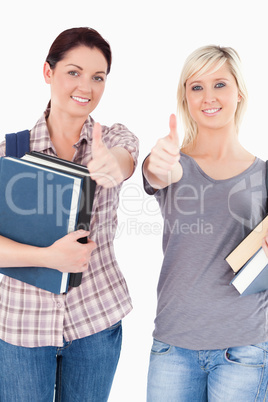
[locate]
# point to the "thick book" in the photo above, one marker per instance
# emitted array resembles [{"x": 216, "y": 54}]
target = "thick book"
[
  {"x": 238, "y": 257},
  {"x": 40, "y": 204},
  {"x": 253, "y": 277},
  {"x": 88, "y": 189}
]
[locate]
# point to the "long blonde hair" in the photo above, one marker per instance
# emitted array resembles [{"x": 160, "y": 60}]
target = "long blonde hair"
[{"x": 199, "y": 62}]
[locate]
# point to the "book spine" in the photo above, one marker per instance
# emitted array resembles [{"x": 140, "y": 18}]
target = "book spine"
[
  {"x": 83, "y": 222},
  {"x": 75, "y": 279},
  {"x": 86, "y": 204}
]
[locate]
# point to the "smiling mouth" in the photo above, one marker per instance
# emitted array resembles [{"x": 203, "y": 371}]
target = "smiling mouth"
[
  {"x": 80, "y": 100},
  {"x": 211, "y": 111}
]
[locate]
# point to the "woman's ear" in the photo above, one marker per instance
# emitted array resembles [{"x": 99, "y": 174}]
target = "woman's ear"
[{"x": 47, "y": 72}]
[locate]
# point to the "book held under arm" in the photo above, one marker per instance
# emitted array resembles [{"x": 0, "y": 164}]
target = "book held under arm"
[
  {"x": 41, "y": 201},
  {"x": 248, "y": 246},
  {"x": 248, "y": 259},
  {"x": 253, "y": 277},
  {"x": 249, "y": 262}
]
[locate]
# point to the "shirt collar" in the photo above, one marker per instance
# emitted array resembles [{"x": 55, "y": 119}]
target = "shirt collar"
[{"x": 40, "y": 134}]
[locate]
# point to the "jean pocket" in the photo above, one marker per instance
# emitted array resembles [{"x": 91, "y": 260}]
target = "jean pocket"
[
  {"x": 160, "y": 348},
  {"x": 250, "y": 356}
]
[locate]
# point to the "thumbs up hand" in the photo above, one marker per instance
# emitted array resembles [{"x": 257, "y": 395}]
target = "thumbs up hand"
[
  {"x": 173, "y": 136},
  {"x": 162, "y": 167},
  {"x": 97, "y": 143},
  {"x": 105, "y": 165}
]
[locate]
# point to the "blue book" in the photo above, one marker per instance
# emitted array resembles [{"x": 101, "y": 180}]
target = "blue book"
[
  {"x": 89, "y": 185},
  {"x": 38, "y": 205},
  {"x": 253, "y": 276}
]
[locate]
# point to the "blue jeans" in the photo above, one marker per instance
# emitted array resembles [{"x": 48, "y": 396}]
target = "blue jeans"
[
  {"x": 238, "y": 374},
  {"x": 82, "y": 370}
]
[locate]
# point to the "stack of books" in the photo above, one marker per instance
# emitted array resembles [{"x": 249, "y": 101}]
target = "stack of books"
[
  {"x": 42, "y": 199},
  {"x": 249, "y": 262}
]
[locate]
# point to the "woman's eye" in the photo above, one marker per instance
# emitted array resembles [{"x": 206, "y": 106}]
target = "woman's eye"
[
  {"x": 197, "y": 88},
  {"x": 98, "y": 78},
  {"x": 73, "y": 73},
  {"x": 220, "y": 85}
]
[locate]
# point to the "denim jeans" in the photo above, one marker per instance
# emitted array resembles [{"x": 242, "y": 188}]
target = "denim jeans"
[
  {"x": 238, "y": 374},
  {"x": 83, "y": 369}
]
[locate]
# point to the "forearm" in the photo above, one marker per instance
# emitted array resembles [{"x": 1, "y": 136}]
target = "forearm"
[
  {"x": 125, "y": 161},
  {"x": 159, "y": 179},
  {"x": 13, "y": 254},
  {"x": 65, "y": 254}
]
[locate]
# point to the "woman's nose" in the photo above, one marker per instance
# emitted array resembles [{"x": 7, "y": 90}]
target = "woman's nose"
[
  {"x": 209, "y": 96},
  {"x": 85, "y": 85}
]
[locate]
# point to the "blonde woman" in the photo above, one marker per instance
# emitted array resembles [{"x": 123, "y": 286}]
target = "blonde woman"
[{"x": 209, "y": 343}]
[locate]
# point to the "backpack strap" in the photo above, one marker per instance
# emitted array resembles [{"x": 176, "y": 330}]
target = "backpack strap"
[{"x": 17, "y": 144}]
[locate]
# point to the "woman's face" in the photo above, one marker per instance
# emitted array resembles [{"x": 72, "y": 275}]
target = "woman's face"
[
  {"x": 77, "y": 81},
  {"x": 212, "y": 99}
]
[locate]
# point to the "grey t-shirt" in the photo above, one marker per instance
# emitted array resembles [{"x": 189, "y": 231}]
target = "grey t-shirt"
[{"x": 204, "y": 219}]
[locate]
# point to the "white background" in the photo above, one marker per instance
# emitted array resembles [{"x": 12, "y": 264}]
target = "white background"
[{"x": 150, "y": 41}]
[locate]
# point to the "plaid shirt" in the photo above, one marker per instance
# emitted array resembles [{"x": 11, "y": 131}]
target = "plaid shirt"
[{"x": 32, "y": 317}]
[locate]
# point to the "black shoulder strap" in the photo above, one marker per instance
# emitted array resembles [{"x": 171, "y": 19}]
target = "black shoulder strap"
[{"x": 17, "y": 144}]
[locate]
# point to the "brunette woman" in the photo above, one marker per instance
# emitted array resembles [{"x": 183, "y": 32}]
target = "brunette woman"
[{"x": 71, "y": 339}]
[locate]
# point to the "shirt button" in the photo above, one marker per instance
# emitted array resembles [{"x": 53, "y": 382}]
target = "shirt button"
[{"x": 59, "y": 305}]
